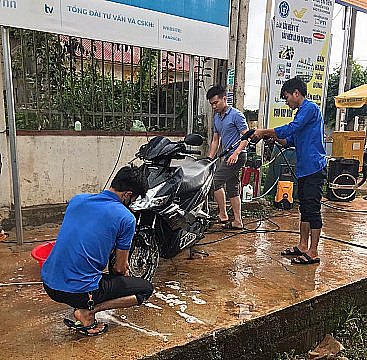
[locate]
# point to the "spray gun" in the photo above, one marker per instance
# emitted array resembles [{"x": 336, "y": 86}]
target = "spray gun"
[{"x": 246, "y": 136}]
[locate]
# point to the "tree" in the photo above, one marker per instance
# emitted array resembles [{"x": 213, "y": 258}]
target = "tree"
[{"x": 359, "y": 77}]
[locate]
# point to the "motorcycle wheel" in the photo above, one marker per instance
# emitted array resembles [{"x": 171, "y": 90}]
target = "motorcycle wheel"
[{"x": 143, "y": 256}]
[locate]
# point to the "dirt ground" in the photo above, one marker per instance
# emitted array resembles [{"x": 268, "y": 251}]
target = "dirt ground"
[{"x": 243, "y": 277}]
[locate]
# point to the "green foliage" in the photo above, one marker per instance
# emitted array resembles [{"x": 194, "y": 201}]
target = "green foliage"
[
  {"x": 352, "y": 333},
  {"x": 359, "y": 77},
  {"x": 59, "y": 81}
]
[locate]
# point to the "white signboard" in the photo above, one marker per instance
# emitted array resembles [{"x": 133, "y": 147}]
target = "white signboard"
[
  {"x": 300, "y": 48},
  {"x": 199, "y": 27}
]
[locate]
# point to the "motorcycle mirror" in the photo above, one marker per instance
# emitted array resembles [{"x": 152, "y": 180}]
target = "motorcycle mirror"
[{"x": 193, "y": 139}]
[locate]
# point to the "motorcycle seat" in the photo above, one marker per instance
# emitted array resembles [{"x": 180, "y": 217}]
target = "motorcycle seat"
[{"x": 195, "y": 174}]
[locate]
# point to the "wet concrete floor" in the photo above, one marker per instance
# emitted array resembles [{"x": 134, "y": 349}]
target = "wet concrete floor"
[{"x": 244, "y": 277}]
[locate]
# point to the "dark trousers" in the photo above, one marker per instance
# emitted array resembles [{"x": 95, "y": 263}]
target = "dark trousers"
[
  {"x": 110, "y": 287},
  {"x": 309, "y": 195}
]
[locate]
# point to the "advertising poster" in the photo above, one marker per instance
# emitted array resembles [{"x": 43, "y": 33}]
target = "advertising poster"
[
  {"x": 300, "y": 48},
  {"x": 197, "y": 27}
]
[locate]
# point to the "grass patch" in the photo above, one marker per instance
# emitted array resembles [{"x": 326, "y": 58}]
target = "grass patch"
[{"x": 351, "y": 332}]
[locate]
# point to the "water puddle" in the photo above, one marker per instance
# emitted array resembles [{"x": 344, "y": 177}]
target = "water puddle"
[
  {"x": 150, "y": 305},
  {"x": 112, "y": 317},
  {"x": 173, "y": 300},
  {"x": 190, "y": 319}
]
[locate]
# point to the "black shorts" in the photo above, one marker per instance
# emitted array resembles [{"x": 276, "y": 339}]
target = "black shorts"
[
  {"x": 230, "y": 175},
  {"x": 109, "y": 287}
]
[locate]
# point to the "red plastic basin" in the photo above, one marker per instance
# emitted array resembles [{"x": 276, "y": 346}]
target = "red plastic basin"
[{"x": 41, "y": 252}]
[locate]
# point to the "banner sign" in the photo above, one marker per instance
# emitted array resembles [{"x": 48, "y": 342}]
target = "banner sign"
[
  {"x": 360, "y": 5},
  {"x": 300, "y": 48},
  {"x": 198, "y": 27}
]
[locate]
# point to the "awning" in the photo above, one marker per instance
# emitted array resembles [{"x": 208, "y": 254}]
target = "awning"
[{"x": 354, "y": 98}]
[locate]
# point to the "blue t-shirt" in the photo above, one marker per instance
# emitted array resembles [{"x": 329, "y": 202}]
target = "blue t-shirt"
[
  {"x": 306, "y": 133},
  {"x": 229, "y": 127},
  {"x": 93, "y": 226}
]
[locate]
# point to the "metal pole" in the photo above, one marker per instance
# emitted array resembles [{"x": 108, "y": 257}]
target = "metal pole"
[
  {"x": 12, "y": 133},
  {"x": 262, "y": 121},
  {"x": 353, "y": 20},
  {"x": 241, "y": 37},
  {"x": 343, "y": 68},
  {"x": 326, "y": 84},
  {"x": 190, "y": 104}
]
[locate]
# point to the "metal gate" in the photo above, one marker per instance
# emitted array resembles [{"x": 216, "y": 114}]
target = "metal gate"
[{"x": 59, "y": 80}]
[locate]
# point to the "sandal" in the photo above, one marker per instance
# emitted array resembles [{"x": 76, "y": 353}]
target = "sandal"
[
  {"x": 78, "y": 326},
  {"x": 305, "y": 259},
  {"x": 293, "y": 251},
  {"x": 229, "y": 226}
]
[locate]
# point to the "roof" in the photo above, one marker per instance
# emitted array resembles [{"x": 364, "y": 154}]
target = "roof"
[{"x": 117, "y": 52}]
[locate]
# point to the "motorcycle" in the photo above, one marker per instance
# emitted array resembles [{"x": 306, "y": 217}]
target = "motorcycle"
[{"x": 174, "y": 214}]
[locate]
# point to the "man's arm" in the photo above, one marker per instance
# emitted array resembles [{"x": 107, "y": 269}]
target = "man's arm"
[
  {"x": 268, "y": 133},
  {"x": 214, "y": 145},
  {"x": 121, "y": 266},
  {"x": 234, "y": 157}
]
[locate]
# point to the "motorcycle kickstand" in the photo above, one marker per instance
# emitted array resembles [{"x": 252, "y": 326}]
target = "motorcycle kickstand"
[{"x": 199, "y": 252}]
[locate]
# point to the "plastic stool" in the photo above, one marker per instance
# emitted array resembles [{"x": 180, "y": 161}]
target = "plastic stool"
[{"x": 246, "y": 175}]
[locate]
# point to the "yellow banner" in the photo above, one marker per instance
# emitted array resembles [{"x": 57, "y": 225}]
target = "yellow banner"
[{"x": 300, "y": 48}]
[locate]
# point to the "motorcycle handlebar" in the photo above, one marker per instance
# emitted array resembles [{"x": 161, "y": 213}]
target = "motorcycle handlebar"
[
  {"x": 246, "y": 136},
  {"x": 192, "y": 152}
]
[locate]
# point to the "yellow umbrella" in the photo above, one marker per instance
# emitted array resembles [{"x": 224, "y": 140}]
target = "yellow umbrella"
[{"x": 354, "y": 98}]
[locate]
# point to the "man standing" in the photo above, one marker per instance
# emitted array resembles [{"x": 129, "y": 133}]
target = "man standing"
[
  {"x": 95, "y": 225},
  {"x": 306, "y": 133},
  {"x": 228, "y": 125}
]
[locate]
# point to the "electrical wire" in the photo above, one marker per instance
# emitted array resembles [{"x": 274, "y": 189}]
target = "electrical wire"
[
  {"x": 277, "y": 230},
  {"x": 322, "y": 202},
  {"x": 22, "y": 283},
  {"x": 117, "y": 161},
  {"x": 286, "y": 160},
  {"x": 268, "y": 191},
  {"x": 341, "y": 209},
  {"x": 277, "y": 155},
  {"x": 30, "y": 242}
]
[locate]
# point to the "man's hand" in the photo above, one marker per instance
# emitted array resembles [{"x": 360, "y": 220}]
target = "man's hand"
[
  {"x": 259, "y": 134},
  {"x": 121, "y": 266},
  {"x": 126, "y": 271},
  {"x": 232, "y": 159}
]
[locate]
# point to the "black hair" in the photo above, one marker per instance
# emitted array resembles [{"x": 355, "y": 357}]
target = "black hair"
[
  {"x": 130, "y": 178},
  {"x": 216, "y": 90},
  {"x": 291, "y": 85}
]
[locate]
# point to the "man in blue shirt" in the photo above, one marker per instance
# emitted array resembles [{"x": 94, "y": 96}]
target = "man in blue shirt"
[
  {"x": 306, "y": 134},
  {"x": 228, "y": 125},
  {"x": 95, "y": 225}
]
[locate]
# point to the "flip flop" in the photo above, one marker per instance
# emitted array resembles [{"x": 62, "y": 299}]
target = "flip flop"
[
  {"x": 229, "y": 226},
  {"x": 305, "y": 259},
  {"x": 293, "y": 251},
  {"x": 78, "y": 326},
  {"x": 218, "y": 220},
  {"x": 75, "y": 325}
]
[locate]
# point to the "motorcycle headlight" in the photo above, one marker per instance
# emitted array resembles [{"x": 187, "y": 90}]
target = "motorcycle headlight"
[{"x": 150, "y": 200}]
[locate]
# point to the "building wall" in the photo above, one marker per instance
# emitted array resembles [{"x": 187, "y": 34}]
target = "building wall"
[{"x": 53, "y": 168}]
